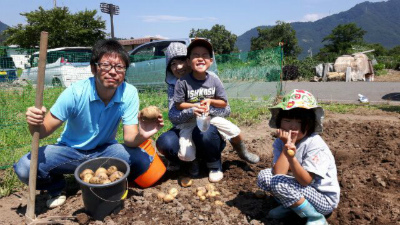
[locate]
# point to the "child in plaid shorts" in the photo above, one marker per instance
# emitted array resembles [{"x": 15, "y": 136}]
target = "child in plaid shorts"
[{"x": 303, "y": 178}]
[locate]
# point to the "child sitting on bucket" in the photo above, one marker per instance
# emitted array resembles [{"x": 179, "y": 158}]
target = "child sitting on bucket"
[{"x": 303, "y": 178}]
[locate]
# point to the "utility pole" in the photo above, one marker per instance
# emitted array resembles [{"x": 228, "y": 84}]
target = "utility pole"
[{"x": 112, "y": 10}]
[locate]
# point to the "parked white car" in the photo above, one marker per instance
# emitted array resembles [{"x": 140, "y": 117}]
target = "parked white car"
[
  {"x": 64, "y": 66},
  {"x": 147, "y": 68}
]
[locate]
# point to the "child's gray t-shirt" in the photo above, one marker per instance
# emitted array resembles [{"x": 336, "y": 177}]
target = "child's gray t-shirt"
[
  {"x": 315, "y": 156},
  {"x": 189, "y": 89}
]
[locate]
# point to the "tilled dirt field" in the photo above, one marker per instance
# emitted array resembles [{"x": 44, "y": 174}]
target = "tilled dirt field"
[{"x": 366, "y": 146}]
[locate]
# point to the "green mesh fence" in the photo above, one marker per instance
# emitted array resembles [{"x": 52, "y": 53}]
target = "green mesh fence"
[
  {"x": 262, "y": 65},
  {"x": 241, "y": 73}
]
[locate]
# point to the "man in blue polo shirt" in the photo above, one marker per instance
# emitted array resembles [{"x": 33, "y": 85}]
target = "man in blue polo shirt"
[{"x": 92, "y": 110}]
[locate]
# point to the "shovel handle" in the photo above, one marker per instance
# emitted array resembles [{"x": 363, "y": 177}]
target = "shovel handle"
[{"x": 30, "y": 210}]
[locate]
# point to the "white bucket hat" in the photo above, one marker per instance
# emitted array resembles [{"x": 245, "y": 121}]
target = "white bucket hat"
[{"x": 298, "y": 99}]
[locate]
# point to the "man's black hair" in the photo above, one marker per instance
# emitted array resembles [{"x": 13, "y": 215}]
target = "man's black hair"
[
  {"x": 108, "y": 46},
  {"x": 307, "y": 117}
]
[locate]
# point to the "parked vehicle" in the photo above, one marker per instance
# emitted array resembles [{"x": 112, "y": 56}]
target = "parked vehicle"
[
  {"x": 8, "y": 71},
  {"x": 63, "y": 67},
  {"x": 147, "y": 66}
]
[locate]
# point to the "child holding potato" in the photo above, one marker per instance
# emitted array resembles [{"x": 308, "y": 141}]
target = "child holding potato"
[
  {"x": 303, "y": 178},
  {"x": 177, "y": 67}
]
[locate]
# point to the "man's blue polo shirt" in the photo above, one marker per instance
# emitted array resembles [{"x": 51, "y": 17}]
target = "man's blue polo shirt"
[{"x": 89, "y": 122}]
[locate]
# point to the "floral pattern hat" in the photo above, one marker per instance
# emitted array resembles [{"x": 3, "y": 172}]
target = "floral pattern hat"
[{"x": 298, "y": 99}]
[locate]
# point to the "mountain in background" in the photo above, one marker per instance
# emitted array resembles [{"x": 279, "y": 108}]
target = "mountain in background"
[
  {"x": 381, "y": 20},
  {"x": 2, "y": 27}
]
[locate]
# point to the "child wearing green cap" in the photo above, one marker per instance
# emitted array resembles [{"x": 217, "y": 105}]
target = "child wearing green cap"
[{"x": 303, "y": 178}]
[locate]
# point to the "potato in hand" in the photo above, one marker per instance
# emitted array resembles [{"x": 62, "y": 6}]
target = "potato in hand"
[{"x": 150, "y": 113}]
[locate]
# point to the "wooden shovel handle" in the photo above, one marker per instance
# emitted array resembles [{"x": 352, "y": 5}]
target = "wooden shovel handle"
[{"x": 30, "y": 210}]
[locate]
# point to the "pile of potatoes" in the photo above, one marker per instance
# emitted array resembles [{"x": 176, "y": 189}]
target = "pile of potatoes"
[
  {"x": 203, "y": 193},
  {"x": 209, "y": 192},
  {"x": 172, "y": 193},
  {"x": 101, "y": 176}
]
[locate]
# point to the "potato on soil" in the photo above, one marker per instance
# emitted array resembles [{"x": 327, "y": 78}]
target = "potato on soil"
[
  {"x": 210, "y": 187},
  {"x": 111, "y": 170},
  {"x": 168, "y": 198},
  {"x": 202, "y": 198},
  {"x": 150, "y": 113},
  {"x": 200, "y": 193},
  {"x": 161, "y": 195},
  {"x": 100, "y": 170},
  {"x": 85, "y": 171},
  {"x": 218, "y": 202},
  {"x": 173, "y": 192},
  {"x": 211, "y": 194},
  {"x": 116, "y": 176},
  {"x": 186, "y": 182},
  {"x": 203, "y": 189}
]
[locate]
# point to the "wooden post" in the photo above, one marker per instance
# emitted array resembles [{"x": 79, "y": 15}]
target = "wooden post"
[
  {"x": 30, "y": 210},
  {"x": 371, "y": 71},
  {"x": 325, "y": 73},
  {"x": 348, "y": 74}
]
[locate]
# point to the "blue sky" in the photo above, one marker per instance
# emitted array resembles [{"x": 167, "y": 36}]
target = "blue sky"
[{"x": 175, "y": 18}]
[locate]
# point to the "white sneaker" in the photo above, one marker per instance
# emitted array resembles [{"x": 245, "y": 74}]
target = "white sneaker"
[
  {"x": 55, "y": 201},
  {"x": 215, "y": 175}
]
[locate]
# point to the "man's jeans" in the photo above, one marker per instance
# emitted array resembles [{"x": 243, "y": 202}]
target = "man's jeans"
[{"x": 56, "y": 160}]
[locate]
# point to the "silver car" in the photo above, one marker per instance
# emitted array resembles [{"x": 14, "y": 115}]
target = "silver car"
[
  {"x": 64, "y": 66},
  {"x": 147, "y": 68}
]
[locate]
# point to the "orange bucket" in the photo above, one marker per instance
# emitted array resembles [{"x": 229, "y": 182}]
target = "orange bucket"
[{"x": 156, "y": 169}]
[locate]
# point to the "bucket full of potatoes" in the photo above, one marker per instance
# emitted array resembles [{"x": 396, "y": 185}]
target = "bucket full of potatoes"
[{"x": 104, "y": 185}]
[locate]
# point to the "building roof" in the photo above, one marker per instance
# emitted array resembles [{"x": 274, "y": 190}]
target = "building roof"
[{"x": 139, "y": 41}]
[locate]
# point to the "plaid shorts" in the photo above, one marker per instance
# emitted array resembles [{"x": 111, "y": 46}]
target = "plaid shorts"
[{"x": 288, "y": 191}]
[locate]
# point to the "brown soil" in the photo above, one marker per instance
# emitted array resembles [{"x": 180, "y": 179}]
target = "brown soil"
[
  {"x": 366, "y": 146},
  {"x": 391, "y": 76}
]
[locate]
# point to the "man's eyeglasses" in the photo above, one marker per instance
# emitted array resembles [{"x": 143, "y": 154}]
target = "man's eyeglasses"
[{"x": 107, "y": 67}]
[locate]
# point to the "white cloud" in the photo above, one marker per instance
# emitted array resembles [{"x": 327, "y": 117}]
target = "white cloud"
[
  {"x": 174, "y": 19},
  {"x": 313, "y": 17}
]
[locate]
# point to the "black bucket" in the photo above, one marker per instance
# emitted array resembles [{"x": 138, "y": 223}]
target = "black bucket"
[{"x": 101, "y": 200}]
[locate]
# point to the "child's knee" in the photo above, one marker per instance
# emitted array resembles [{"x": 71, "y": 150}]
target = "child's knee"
[
  {"x": 278, "y": 187},
  {"x": 187, "y": 156},
  {"x": 187, "y": 150},
  {"x": 264, "y": 179}
]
